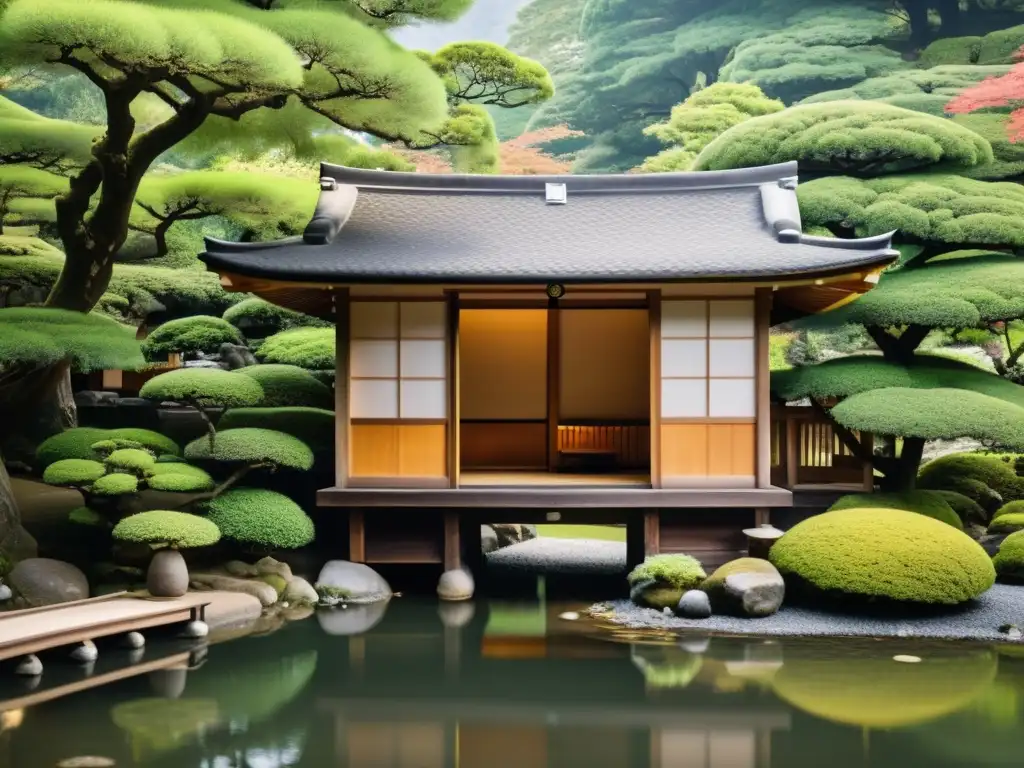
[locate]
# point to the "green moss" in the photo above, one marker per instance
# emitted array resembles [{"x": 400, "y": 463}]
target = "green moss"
[
  {"x": 278, "y": 583},
  {"x": 1009, "y": 522},
  {"x": 252, "y": 446},
  {"x": 71, "y": 444},
  {"x": 289, "y": 385},
  {"x": 660, "y": 580},
  {"x": 107, "y": 447},
  {"x": 966, "y": 508},
  {"x": 928, "y": 503},
  {"x": 73, "y": 472},
  {"x": 714, "y": 584},
  {"x": 258, "y": 517},
  {"x": 209, "y": 387},
  {"x": 115, "y": 484},
  {"x": 44, "y": 336},
  {"x": 997, "y": 475},
  {"x": 135, "y": 460},
  {"x": 147, "y": 438},
  {"x": 86, "y": 516},
  {"x": 190, "y": 335},
  {"x": 177, "y": 529},
  {"x": 1011, "y": 508},
  {"x": 181, "y": 482},
  {"x": 889, "y": 554},
  {"x": 311, "y": 348},
  {"x": 1009, "y": 560},
  {"x": 255, "y": 314},
  {"x": 313, "y": 426}
]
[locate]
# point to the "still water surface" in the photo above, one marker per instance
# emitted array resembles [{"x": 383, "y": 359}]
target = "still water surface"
[{"x": 516, "y": 687}]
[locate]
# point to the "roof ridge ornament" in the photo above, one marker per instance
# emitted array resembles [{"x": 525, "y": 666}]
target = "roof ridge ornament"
[
  {"x": 555, "y": 193},
  {"x": 788, "y": 182}
]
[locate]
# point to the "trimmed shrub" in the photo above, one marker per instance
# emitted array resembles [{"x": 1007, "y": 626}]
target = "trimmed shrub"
[
  {"x": 978, "y": 492},
  {"x": 967, "y": 509},
  {"x": 660, "y": 580},
  {"x": 311, "y": 348},
  {"x": 71, "y": 444},
  {"x": 1009, "y": 560},
  {"x": 889, "y": 554},
  {"x": 313, "y": 426},
  {"x": 179, "y": 477},
  {"x": 115, "y": 484},
  {"x": 928, "y": 503},
  {"x": 73, "y": 472},
  {"x": 106, "y": 447},
  {"x": 990, "y": 470},
  {"x": 189, "y": 336},
  {"x": 152, "y": 441},
  {"x": 176, "y": 529},
  {"x": 252, "y": 446},
  {"x": 1007, "y": 523},
  {"x": 1014, "y": 507},
  {"x": 130, "y": 460},
  {"x": 289, "y": 385},
  {"x": 207, "y": 387},
  {"x": 258, "y": 315},
  {"x": 86, "y": 516},
  {"x": 262, "y": 518}
]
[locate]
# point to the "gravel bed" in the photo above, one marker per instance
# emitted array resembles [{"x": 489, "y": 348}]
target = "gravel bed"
[
  {"x": 981, "y": 620},
  {"x": 552, "y": 555}
]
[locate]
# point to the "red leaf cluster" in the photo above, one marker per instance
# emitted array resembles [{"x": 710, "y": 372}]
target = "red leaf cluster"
[
  {"x": 520, "y": 156},
  {"x": 1005, "y": 90}
]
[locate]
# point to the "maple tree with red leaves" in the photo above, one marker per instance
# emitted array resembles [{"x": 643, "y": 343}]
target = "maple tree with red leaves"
[
  {"x": 521, "y": 156},
  {"x": 1003, "y": 91}
]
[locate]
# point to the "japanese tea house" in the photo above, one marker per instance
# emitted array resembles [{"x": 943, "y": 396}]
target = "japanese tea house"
[{"x": 512, "y": 348}]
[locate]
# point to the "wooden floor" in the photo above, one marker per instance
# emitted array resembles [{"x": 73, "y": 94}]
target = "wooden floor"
[
  {"x": 31, "y": 631},
  {"x": 553, "y": 479}
]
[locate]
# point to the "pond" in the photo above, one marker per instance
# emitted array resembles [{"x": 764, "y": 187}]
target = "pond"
[{"x": 496, "y": 685}]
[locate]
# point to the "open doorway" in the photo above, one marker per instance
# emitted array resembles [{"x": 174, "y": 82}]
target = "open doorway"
[{"x": 554, "y": 397}]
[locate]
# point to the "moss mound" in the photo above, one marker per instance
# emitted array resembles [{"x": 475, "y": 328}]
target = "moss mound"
[
  {"x": 660, "y": 580},
  {"x": 134, "y": 460},
  {"x": 73, "y": 472},
  {"x": 252, "y": 446},
  {"x": 258, "y": 315},
  {"x": 1013, "y": 508},
  {"x": 873, "y": 692},
  {"x": 967, "y": 509},
  {"x": 80, "y": 442},
  {"x": 86, "y": 516},
  {"x": 944, "y": 472},
  {"x": 115, "y": 484},
  {"x": 888, "y": 554},
  {"x": 289, "y": 385},
  {"x": 205, "y": 386},
  {"x": 1009, "y": 522},
  {"x": 190, "y": 335},
  {"x": 928, "y": 503},
  {"x": 313, "y": 426},
  {"x": 311, "y": 348},
  {"x": 177, "y": 529},
  {"x": 1009, "y": 560},
  {"x": 259, "y": 517}
]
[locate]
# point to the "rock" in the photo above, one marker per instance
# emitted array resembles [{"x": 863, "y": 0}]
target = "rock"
[
  {"x": 759, "y": 594},
  {"x": 241, "y": 570},
  {"x": 695, "y": 645},
  {"x": 236, "y": 356},
  {"x": 133, "y": 640},
  {"x": 488, "y": 539},
  {"x": 694, "y": 604},
  {"x": 87, "y": 397},
  {"x": 724, "y": 601},
  {"x": 168, "y": 683},
  {"x": 196, "y": 629},
  {"x": 265, "y": 593},
  {"x": 268, "y": 566},
  {"x": 86, "y": 653},
  {"x": 569, "y": 616},
  {"x": 5, "y": 593},
  {"x": 300, "y": 592},
  {"x": 352, "y": 583},
  {"x": 354, "y": 620},
  {"x": 29, "y": 666},
  {"x": 41, "y": 581},
  {"x": 167, "y": 575},
  {"x": 456, "y": 584},
  {"x": 456, "y": 615},
  {"x": 277, "y": 582},
  {"x": 86, "y": 761},
  {"x": 298, "y": 612},
  {"x": 513, "y": 533},
  {"x": 991, "y": 542}
]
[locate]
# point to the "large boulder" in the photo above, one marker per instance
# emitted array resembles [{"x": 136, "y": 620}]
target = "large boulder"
[
  {"x": 747, "y": 586},
  {"x": 263, "y": 592},
  {"x": 488, "y": 539},
  {"x": 300, "y": 592},
  {"x": 15, "y": 542},
  {"x": 513, "y": 533},
  {"x": 456, "y": 584},
  {"x": 41, "y": 581},
  {"x": 342, "y": 581},
  {"x": 351, "y": 621},
  {"x": 167, "y": 575}
]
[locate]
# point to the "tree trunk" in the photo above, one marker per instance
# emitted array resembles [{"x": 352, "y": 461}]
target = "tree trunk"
[
  {"x": 35, "y": 403},
  {"x": 920, "y": 30},
  {"x": 902, "y": 474},
  {"x": 15, "y": 542}
]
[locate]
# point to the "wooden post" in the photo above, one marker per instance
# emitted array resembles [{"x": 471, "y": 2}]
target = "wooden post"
[
  {"x": 654, "y": 322},
  {"x": 652, "y": 532},
  {"x": 341, "y": 385},
  {"x": 454, "y": 398},
  {"x": 452, "y": 547},
  {"x": 553, "y": 381},
  {"x": 762, "y": 370},
  {"x": 356, "y": 536},
  {"x": 761, "y": 517},
  {"x": 792, "y": 449},
  {"x": 868, "y": 441}
]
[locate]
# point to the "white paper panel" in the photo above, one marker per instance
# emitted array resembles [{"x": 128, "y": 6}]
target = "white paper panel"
[
  {"x": 373, "y": 399},
  {"x": 732, "y": 397},
  {"x": 686, "y": 749},
  {"x": 423, "y": 358},
  {"x": 732, "y": 357},
  {"x": 684, "y": 357},
  {"x": 423, "y": 319},
  {"x": 374, "y": 320},
  {"x": 374, "y": 358},
  {"x": 424, "y": 400},
  {"x": 732, "y": 318},
  {"x": 683, "y": 398},
  {"x": 684, "y": 319}
]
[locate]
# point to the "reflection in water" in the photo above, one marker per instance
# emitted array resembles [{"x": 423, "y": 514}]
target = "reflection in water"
[{"x": 415, "y": 685}]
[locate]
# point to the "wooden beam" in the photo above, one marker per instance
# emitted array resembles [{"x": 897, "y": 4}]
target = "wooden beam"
[
  {"x": 654, "y": 322},
  {"x": 342, "y": 422},
  {"x": 454, "y": 394},
  {"x": 763, "y": 434},
  {"x": 792, "y": 449},
  {"x": 868, "y": 440},
  {"x": 356, "y": 536},
  {"x": 652, "y": 532},
  {"x": 452, "y": 545},
  {"x": 554, "y": 381}
]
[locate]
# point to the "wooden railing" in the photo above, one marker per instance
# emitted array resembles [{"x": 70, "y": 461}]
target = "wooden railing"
[
  {"x": 629, "y": 441},
  {"x": 130, "y": 382},
  {"x": 806, "y": 451}
]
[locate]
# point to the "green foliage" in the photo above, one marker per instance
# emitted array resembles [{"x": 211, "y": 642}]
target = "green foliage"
[
  {"x": 189, "y": 336},
  {"x": 943, "y": 472},
  {"x": 179, "y": 530},
  {"x": 928, "y": 503},
  {"x": 263, "y": 318},
  {"x": 966, "y": 508},
  {"x": 289, "y": 385},
  {"x": 471, "y": 139},
  {"x": 1010, "y": 508},
  {"x": 80, "y": 442},
  {"x": 679, "y": 571},
  {"x": 252, "y": 446},
  {"x": 1009, "y": 522},
  {"x": 997, "y": 47},
  {"x": 179, "y": 477},
  {"x": 86, "y": 516},
  {"x": 44, "y": 336},
  {"x": 73, "y": 472},
  {"x": 313, "y": 426},
  {"x": 131, "y": 460},
  {"x": 889, "y": 554},
  {"x": 107, "y": 447},
  {"x": 487, "y": 73},
  {"x": 261, "y": 518},
  {"x": 311, "y": 348},
  {"x": 1009, "y": 560},
  {"x": 841, "y": 136},
  {"x": 209, "y": 387},
  {"x": 115, "y": 484}
]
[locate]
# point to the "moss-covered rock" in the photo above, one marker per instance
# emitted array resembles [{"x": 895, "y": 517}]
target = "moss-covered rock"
[
  {"x": 261, "y": 518},
  {"x": 131, "y": 460},
  {"x": 73, "y": 472},
  {"x": 884, "y": 554},
  {"x": 252, "y": 446},
  {"x": 660, "y": 580},
  {"x": 1008, "y": 522},
  {"x": 1009, "y": 560},
  {"x": 1013, "y": 507},
  {"x": 714, "y": 585},
  {"x": 928, "y": 503},
  {"x": 176, "y": 529},
  {"x": 278, "y": 583}
]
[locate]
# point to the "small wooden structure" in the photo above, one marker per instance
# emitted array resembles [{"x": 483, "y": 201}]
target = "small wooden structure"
[{"x": 593, "y": 344}]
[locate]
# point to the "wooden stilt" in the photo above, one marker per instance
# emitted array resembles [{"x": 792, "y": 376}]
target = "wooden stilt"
[
  {"x": 452, "y": 547},
  {"x": 652, "y": 532},
  {"x": 356, "y": 536}
]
